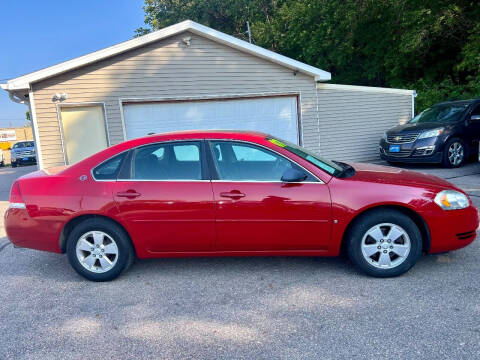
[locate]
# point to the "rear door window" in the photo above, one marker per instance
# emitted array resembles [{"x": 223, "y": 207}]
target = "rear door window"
[{"x": 168, "y": 161}]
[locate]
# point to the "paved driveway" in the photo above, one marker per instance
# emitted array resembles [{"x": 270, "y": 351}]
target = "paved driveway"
[{"x": 245, "y": 308}]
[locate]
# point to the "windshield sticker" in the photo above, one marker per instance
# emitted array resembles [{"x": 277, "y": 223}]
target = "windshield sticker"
[{"x": 278, "y": 143}]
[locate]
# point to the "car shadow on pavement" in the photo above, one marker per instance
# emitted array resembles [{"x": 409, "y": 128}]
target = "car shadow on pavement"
[{"x": 56, "y": 267}]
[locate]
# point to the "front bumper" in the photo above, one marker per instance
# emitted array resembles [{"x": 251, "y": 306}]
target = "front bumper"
[
  {"x": 453, "y": 229},
  {"x": 25, "y": 160},
  {"x": 420, "y": 151}
]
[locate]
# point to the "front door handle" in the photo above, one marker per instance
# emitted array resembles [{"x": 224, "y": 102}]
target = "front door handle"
[
  {"x": 235, "y": 194},
  {"x": 130, "y": 194}
]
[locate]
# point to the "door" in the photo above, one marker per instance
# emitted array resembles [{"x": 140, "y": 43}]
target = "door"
[
  {"x": 83, "y": 129},
  {"x": 271, "y": 115},
  {"x": 473, "y": 131},
  {"x": 167, "y": 203},
  {"x": 256, "y": 211}
]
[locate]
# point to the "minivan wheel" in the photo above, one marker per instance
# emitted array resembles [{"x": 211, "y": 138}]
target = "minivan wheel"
[
  {"x": 384, "y": 243},
  {"x": 99, "y": 250},
  {"x": 454, "y": 153}
]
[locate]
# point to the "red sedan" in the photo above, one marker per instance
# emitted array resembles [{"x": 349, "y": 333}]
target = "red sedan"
[{"x": 224, "y": 193}]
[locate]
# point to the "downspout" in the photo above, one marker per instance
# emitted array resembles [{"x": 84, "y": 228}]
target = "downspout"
[
  {"x": 414, "y": 95},
  {"x": 15, "y": 98}
]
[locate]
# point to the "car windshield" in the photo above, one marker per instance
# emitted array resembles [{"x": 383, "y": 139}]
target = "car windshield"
[
  {"x": 324, "y": 164},
  {"x": 441, "y": 113},
  {"x": 23, "y": 145}
]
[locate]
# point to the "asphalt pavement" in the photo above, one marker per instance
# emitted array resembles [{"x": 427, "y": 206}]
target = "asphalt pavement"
[{"x": 242, "y": 308}]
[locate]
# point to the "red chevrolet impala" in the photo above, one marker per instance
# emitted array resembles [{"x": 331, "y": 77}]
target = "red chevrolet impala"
[{"x": 225, "y": 193}]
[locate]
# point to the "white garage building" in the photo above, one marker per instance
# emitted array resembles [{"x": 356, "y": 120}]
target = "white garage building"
[{"x": 188, "y": 76}]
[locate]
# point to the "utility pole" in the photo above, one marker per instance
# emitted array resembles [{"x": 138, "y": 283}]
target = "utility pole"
[{"x": 249, "y": 33}]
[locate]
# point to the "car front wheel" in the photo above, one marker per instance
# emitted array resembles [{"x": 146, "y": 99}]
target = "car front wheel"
[
  {"x": 384, "y": 243},
  {"x": 99, "y": 250},
  {"x": 455, "y": 153}
]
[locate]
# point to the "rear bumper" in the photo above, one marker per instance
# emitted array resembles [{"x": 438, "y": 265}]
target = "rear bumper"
[
  {"x": 452, "y": 230},
  {"x": 24, "y": 231}
]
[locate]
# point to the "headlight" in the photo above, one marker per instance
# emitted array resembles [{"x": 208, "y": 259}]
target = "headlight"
[
  {"x": 431, "y": 133},
  {"x": 451, "y": 200}
]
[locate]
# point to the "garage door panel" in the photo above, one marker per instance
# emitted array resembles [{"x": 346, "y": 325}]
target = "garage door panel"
[{"x": 273, "y": 115}]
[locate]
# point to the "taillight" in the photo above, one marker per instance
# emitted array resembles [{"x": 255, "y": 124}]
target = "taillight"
[{"x": 16, "y": 200}]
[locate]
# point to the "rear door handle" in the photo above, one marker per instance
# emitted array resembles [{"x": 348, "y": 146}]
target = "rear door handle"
[
  {"x": 130, "y": 194},
  {"x": 232, "y": 194}
]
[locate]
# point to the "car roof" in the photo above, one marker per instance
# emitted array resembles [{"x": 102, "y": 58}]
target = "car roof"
[
  {"x": 205, "y": 134},
  {"x": 459, "y": 102}
]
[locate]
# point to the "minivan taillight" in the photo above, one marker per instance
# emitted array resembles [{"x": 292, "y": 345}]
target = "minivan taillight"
[{"x": 16, "y": 200}]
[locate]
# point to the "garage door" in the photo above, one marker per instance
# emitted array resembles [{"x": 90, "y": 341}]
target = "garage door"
[{"x": 273, "y": 115}]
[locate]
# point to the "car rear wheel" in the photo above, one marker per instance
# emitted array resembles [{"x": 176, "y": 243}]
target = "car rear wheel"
[
  {"x": 455, "y": 153},
  {"x": 384, "y": 243},
  {"x": 99, "y": 250},
  {"x": 14, "y": 164}
]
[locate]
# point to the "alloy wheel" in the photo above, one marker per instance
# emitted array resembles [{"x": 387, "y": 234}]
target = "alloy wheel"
[
  {"x": 385, "y": 245},
  {"x": 97, "y": 251},
  {"x": 455, "y": 153}
]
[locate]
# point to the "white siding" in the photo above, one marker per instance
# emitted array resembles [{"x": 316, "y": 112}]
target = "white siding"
[
  {"x": 352, "y": 121},
  {"x": 169, "y": 69}
]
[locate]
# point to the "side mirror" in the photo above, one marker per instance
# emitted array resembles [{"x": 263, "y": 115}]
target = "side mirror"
[
  {"x": 293, "y": 175},
  {"x": 475, "y": 118}
]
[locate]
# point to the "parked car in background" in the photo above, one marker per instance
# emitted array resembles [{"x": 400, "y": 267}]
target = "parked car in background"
[
  {"x": 2, "y": 158},
  {"x": 225, "y": 193},
  {"x": 23, "y": 152},
  {"x": 447, "y": 133}
]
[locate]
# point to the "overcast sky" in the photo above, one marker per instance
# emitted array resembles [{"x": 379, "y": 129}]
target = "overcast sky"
[{"x": 39, "y": 33}]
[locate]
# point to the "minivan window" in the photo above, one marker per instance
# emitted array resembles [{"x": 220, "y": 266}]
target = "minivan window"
[
  {"x": 441, "y": 113},
  {"x": 168, "y": 161}
]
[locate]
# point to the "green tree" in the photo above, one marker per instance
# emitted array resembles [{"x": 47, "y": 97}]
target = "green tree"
[{"x": 432, "y": 46}]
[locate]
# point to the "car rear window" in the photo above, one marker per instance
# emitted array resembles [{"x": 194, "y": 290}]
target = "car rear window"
[{"x": 108, "y": 170}]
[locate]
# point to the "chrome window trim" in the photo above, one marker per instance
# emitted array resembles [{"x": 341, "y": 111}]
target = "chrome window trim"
[
  {"x": 274, "y": 151},
  {"x": 140, "y": 146},
  {"x": 320, "y": 181},
  {"x": 267, "y": 181},
  {"x": 173, "y": 180}
]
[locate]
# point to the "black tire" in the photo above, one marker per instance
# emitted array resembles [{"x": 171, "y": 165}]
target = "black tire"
[
  {"x": 126, "y": 253},
  {"x": 14, "y": 164},
  {"x": 446, "y": 161},
  {"x": 369, "y": 220},
  {"x": 2, "y": 164}
]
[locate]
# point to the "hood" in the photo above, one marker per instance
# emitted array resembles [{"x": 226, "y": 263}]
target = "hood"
[
  {"x": 417, "y": 127},
  {"x": 397, "y": 176}
]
